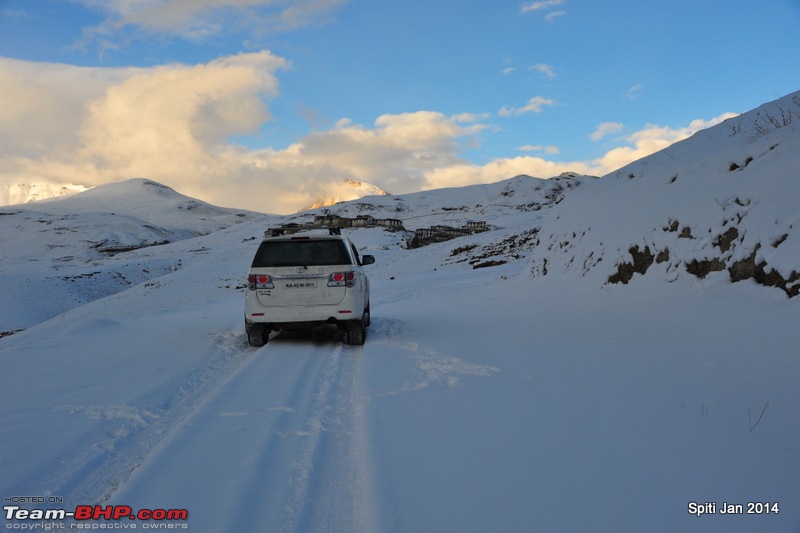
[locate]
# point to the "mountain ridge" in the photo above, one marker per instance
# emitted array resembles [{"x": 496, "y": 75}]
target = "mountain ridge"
[
  {"x": 722, "y": 200},
  {"x": 718, "y": 206}
]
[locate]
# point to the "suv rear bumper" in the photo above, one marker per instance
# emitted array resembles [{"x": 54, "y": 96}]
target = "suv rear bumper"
[{"x": 295, "y": 316}]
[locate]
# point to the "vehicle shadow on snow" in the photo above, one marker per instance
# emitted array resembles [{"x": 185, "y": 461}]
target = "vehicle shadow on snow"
[{"x": 318, "y": 336}]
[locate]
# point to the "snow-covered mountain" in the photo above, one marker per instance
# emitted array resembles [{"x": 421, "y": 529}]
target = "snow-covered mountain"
[
  {"x": 328, "y": 193},
  {"x": 603, "y": 335},
  {"x": 21, "y": 193},
  {"x": 110, "y": 219},
  {"x": 723, "y": 203},
  {"x": 344, "y": 191},
  {"x": 60, "y": 253}
]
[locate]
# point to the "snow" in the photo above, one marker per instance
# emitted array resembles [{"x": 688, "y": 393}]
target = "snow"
[
  {"x": 19, "y": 193},
  {"x": 62, "y": 253},
  {"x": 530, "y": 396}
]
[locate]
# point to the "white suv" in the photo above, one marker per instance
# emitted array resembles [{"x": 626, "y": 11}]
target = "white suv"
[{"x": 305, "y": 280}]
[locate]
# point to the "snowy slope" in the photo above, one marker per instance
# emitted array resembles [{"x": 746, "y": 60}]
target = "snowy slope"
[
  {"x": 722, "y": 203},
  {"x": 61, "y": 253},
  {"x": 485, "y": 399},
  {"x": 512, "y": 208}
]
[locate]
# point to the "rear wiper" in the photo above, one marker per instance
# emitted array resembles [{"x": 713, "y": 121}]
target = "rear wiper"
[{"x": 290, "y": 265}]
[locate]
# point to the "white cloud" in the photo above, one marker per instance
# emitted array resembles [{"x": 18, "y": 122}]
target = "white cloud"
[
  {"x": 641, "y": 144},
  {"x": 652, "y": 139},
  {"x": 633, "y": 92},
  {"x": 48, "y": 104},
  {"x": 545, "y": 69},
  {"x": 606, "y": 128},
  {"x": 498, "y": 169},
  {"x": 544, "y": 5},
  {"x": 152, "y": 123},
  {"x": 539, "y": 5},
  {"x": 305, "y": 12},
  {"x": 534, "y": 105},
  {"x": 550, "y": 17},
  {"x": 550, "y": 149},
  {"x": 395, "y": 154},
  {"x": 172, "y": 123},
  {"x": 168, "y": 123},
  {"x": 197, "y": 20},
  {"x": 14, "y": 14}
]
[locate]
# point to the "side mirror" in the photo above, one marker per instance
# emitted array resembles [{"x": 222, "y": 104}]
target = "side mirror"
[{"x": 367, "y": 260}]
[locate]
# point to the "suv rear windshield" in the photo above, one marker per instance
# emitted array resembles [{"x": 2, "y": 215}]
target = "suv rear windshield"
[{"x": 301, "y": 253}]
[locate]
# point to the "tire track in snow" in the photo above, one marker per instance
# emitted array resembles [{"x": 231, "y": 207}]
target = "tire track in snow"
[
  {"x": 329, "y": 484},
  {"x": 278, "y": 445},
  {"x": 98, "y": 474}
]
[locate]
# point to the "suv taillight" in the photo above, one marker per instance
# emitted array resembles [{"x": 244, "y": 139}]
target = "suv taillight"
[
  {"x": 342, "y": 279},
  {"x": 259, "y": 281}
]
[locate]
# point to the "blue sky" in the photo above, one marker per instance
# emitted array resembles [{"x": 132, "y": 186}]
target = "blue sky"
[{"x": 293, "y": 97}]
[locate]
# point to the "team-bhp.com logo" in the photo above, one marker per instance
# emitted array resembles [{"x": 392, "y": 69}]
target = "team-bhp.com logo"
[{"x": 94, "y": 517}]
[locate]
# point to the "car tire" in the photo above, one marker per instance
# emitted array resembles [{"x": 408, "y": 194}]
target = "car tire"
[
  {"x": 356, "y": 333},
  {"x": 257, "y": 339},
  {"x": 367, "y": 317},
  {"x": 257, "y": 335}
]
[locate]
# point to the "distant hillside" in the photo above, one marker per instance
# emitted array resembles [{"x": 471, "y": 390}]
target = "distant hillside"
[
  {"x": 22, "y": 193},
  {"x": 64, "y": 252},
  {"x": 120, "y": 216},
  {"x": 721, "y": 203},
  {"x": 720, "y": 206}
]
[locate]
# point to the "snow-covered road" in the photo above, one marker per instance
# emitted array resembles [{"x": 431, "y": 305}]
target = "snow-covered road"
[
  {"x": 565, "y": 409},
  {"x": 280, "y": 443}
]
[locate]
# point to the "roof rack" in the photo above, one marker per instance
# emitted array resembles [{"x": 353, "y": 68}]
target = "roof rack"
[{"x": 289, "y": 229}]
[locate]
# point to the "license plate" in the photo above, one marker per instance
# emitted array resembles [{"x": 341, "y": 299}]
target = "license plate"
[{"x": 300, "y": 285}]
